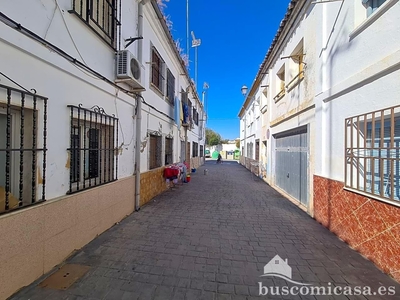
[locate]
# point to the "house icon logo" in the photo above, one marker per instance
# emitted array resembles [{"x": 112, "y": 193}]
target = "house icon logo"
[{"x": 277, "y": 267}]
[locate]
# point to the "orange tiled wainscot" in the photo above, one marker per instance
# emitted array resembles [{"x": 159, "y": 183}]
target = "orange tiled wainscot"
[{"x": 369, "y": 226}]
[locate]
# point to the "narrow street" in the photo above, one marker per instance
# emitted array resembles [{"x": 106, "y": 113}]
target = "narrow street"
[{"x": 210, "y": 239}]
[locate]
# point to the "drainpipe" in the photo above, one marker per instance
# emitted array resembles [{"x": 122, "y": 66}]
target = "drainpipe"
[{"x": 138, "y": 112}]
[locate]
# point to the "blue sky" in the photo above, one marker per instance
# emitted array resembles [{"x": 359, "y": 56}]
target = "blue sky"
[{"x": 235, "y": 36}]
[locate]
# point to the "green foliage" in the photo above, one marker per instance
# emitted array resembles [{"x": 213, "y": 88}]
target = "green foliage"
[
  {"x": 238, "y": 143},
  {"x": 212, "y": 138}
]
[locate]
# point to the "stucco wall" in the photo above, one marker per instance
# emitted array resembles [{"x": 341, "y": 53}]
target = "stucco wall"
[
  {"x": 71, "y": 87},
  {"x": 36, "y": 239},
  {"x": 330, "y": 118},
  {"x": 355, "y": 77},
  {"x": 367, "y": 225}
]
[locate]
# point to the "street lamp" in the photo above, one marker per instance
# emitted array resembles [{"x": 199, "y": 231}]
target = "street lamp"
[
  {"x": 244, "y": 90},
  {"x": 195, "y": 44},
  {"x": 244, "y": 93}
]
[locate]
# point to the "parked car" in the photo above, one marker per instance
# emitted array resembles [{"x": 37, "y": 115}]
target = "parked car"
[{"x": 207, "y": 153}]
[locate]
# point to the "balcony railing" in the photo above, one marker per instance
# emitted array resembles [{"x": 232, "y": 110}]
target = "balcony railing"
[{"x": 99, "y": 15}]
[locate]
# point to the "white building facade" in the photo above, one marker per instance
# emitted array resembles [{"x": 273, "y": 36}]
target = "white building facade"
[
  {"x": 357, "y": 161},
  {"x": 90, "y": 113},
  {"x": 330, "y": 124},
  {"x": 283, "y": 90},
  {"x": 250, "y": 128}
]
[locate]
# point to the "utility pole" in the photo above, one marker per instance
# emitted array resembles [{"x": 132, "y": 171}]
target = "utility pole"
[{"x": 187, "y": 31}]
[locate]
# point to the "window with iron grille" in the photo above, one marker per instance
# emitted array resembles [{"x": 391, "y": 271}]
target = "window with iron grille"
[
  {"x": 155, "y": 151},
  {"x": 184, "y": 96},
  {"x": 23, "y": 132},
  {"x": 168, "y": 151},
  {"x": 100, "y": 16},
  {"x": 195, "y": 116},
  {"x": 372, "y": 143},
  {"x": 195, "y": 150},
  {"x": 157, "y": 70},
  {"x": 201, "y": 151},
  {"x": 257, "y": 154},
  {"x": 93, "y": 140},
  {"x": 170, "y": 87},
  {"x": 190, "y": 111}
]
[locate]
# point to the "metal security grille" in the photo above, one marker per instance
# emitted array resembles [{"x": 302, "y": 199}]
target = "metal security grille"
[
  {"x": 170, "y": 87},
  {"x": 100, "y": 15},
  {"x": 157, "y": 78},
  {"x": 291, "y": 159},
  {"x": 155, "y": 151},
  {"x": 372, "y": 163},
  {"x": 168, "y": 150},
  {"x": 195, "y": 150},
  {"x": 93, "y": 151},
  {"x": 21, "y": 184}
]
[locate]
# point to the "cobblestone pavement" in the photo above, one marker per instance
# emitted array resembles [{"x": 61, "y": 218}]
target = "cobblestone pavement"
[{"x": 210, "y": 239}]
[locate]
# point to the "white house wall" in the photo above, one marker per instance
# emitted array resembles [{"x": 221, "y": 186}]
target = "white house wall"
[
  {"x": 39, "y": 19},
  {"x": 363, "y": 76},
  {"x": 296, "y": 108},
  {"x": 34, "y": 66},
  {"x": 151, "y": 119}
]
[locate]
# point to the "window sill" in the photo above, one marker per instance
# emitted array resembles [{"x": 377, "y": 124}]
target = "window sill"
[
  {"x": 295, "y": 81},
  {"x": 280, "y": 95},
  {"x": 371, "y": 196},
  {"x": 156, "y": 90},
  {"x": 372, "y": 18},
  {"x": 264, "y": 109},
  {"x": 169, "y": 102}
]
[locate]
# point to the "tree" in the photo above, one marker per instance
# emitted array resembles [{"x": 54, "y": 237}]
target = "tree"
[
  {"x": 212, "y": 138},
  {"x": 238, "y": 143}
]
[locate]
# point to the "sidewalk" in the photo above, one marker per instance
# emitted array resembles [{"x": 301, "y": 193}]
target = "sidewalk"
[{"x": 210, "y": 239}]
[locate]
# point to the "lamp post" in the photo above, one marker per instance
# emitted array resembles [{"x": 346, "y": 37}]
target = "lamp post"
[{"x": 244, "y": 93}]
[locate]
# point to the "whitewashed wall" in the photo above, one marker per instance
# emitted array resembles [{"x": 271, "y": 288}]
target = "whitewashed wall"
[
  {"x": 359, "y": 73},
  {"x": 34, "y": 66}
]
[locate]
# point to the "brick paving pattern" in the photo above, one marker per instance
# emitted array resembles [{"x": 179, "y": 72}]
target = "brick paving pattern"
[{"x": 210, "y": 239}]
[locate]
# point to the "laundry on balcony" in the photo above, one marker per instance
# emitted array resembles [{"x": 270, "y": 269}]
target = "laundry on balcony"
[{"x": 186, "y": 114}]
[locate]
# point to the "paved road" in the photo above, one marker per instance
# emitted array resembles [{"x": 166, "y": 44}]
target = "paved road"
[{"x": 210, "y": 239}]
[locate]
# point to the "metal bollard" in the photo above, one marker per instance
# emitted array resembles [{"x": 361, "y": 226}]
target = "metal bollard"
[{"x": 205, "y": 171}]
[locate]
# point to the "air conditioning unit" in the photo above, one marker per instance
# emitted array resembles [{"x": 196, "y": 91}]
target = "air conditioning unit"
[{"x": 130, "y": 71}]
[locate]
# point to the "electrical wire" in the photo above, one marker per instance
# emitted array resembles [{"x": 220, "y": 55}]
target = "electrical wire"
[
  {"x": 157, "y": 110},
  {"x": 11, "y": 23},
  {"x": 69, "y": 33},
  {"x": 51, "y": 21},
  {"x": 120, "y": 124}
]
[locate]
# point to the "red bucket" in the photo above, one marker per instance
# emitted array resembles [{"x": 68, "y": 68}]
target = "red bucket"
[{"x": 188, "y": 178}]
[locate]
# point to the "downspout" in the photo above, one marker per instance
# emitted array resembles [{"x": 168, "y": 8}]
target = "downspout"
[{"x": 138, "y": 111}]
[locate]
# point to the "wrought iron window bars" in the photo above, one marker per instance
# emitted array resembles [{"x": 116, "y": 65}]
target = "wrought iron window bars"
[
  {"x": 93, "y": 153},
  {"x": 21, "y": 117},
  {"x": 99, "y": 15},
  {"x": 372, "y": 153}
]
